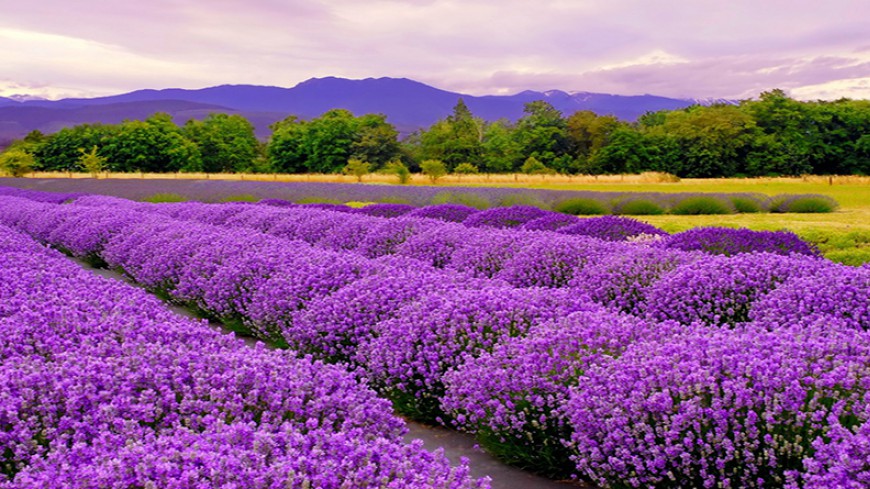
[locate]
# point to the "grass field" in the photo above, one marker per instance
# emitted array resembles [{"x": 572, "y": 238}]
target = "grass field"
[{"x": 843, "y": 235}]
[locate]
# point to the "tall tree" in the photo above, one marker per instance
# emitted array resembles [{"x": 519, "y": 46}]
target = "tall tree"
[
  {"x": 541, "y": 133},
  {"x": 153, "y": 145},
  {"x": 226, "y": 143}
]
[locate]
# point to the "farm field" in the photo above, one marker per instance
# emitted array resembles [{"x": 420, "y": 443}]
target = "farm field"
[
  {"x": 600, "y": 350},
  {"x": 843, "y": 235}
]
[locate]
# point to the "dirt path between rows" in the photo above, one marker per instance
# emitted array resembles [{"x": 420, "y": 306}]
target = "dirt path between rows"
[{"x": 455, "y": 444}]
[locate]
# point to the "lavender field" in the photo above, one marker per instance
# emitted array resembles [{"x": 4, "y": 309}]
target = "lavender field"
[{"x": 600, "y": 349}]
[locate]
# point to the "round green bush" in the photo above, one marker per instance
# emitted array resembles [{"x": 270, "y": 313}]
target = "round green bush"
[
  {"x": 639, "y": 207},
  {"x": 581, "y": 207},
  {"x": 805, "y": 204},
  {"x": 746, "y": 205},
  {"x": 701, "y": 205}
]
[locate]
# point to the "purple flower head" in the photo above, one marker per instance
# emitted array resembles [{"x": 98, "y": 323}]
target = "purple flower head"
[
  {"x": 444, "y": 212},
  {"x": 726, "y": 241},
  {"x": 721, "y": 290},
  {"x": 385, "y": 210},
  {"x": 611, "y": 228},
  {"x": 414, "y": 349},
  {"x": 504, "y": 217},
  {"x": 550, "y": 221}
]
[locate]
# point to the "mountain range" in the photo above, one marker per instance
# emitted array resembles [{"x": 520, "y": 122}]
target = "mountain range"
[{"x": 408, "y": 104}]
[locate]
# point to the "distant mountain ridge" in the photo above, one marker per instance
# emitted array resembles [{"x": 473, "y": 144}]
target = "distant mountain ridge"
[{"x": 408, "y": 104}]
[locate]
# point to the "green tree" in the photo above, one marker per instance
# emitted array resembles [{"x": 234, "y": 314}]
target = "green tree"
[
  {"x": 399, "y": 169},
  {"x": 376, "y": 140},
  {"x": 92, "y": 163},
  {"x": 587, "y": 132},
  {"x": 153, "y": 145},
  {"x": 17, "y": 162},
  {"x": 532, "y": 166},
  {"x": 61, "y": 151},
  {"x": 466, "y": 169},
  {"x": 226, "y": 143},
  {"x": 500, "y": 149},
  {"x": 541, "y": 133},
  {"x": 357, "y": 168},
  {"x": 325, "y": 144},
  {"x": 455, "y": 139},
  {"x": 434, "y": 169}
]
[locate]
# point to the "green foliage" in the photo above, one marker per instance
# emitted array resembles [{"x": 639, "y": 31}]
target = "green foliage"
[
  {"x": 92, "y": 163},
  {"x": 806, "y": 204},
  {"x": 357, "y": 168},
  {"x": 701, "y": 205},
  {"x": 533, "y": 166},
  {"x": 522, "y": 199},
  {"x": 541, "y": 133},
  {"x": 455, "y": 139},
  {"x": 463, "y": 198},
  {"x": 226, "y": 143},
  {"x": 466, "y": 169},
  {"x": 154, "y": 145},
  {"x": 399, "y": 169},
  {"x": 325, "y": 144},
  {"x": 746, "y": 205},
  {"x": 581, "y": 207},
  {"x": 434, "y": 169},
  {"x": 17, "y": 163},
  {"x": 164, "y": 198},
  {"x": 639, "y": 207}
]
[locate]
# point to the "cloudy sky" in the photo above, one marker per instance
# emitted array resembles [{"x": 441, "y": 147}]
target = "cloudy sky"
[{"x": 679, "y": 48}]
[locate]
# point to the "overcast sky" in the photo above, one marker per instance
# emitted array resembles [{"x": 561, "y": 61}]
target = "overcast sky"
[{"x": 687, "y": 48}]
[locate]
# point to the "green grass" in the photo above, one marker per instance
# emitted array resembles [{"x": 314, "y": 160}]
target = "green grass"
[
  {"x": 701, "y": 205},
  {"x": 164, "y": 198}
]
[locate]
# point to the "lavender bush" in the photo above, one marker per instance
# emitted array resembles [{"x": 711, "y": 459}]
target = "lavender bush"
[{"x": 726, "y": 241}]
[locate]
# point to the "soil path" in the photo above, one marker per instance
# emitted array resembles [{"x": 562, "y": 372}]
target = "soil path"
[{"x": 455, "y": 444}]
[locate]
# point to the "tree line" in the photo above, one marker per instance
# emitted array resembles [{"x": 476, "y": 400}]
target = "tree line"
[{"x": 773, "y": 135}]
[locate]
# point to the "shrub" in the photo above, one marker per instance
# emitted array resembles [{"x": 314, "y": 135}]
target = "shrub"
[
  {"x": 611, "y": 228},
  {"x": 581, "y": 206},
  {"x": 17, "y": 163},
  {"x": 747, "y": 205},
  {"x": 356, "y": 167},
  {"x": 399, "y": 169},
  {"x": 445, "y": 212},
  {"x": 803, "y": 204},
  {"x": 718, "y": 409},
  {"x": 462, "y": 198},
  {"x": 466, "y": 169},
  {"x": 434, "y": 169},
  {"x": 532, "y": 166},
  {"x": 165, "y": 197},
  {"x": 638, "y": 207},
  {"x": 504, "y": 217},
  {"x": 385, "y": 210},
  {"x": 702, "y": 205},
  {"x": 726, "y": 241}
]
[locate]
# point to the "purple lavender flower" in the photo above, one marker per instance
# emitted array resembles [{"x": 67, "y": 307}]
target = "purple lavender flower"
[
  {"x": 726, "y": 408},
  {"x": 413, "y": 350},
  {"x": 550, "y": 221},
  {"x": 444, "y": 212},
  {"x": 385, "y": 210},
  {"x": 726, "y": 241},
  {"x": 504, "y": 217},
  {"x": 721, "y": 290},
  {"x": 611, "y": 228}
]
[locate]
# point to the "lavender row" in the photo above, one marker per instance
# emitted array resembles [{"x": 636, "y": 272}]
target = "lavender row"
[
  {"x": 473, "y": 324},
  {"x": 417, "y": 196},
  {"x": 103, "y": 387}
]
